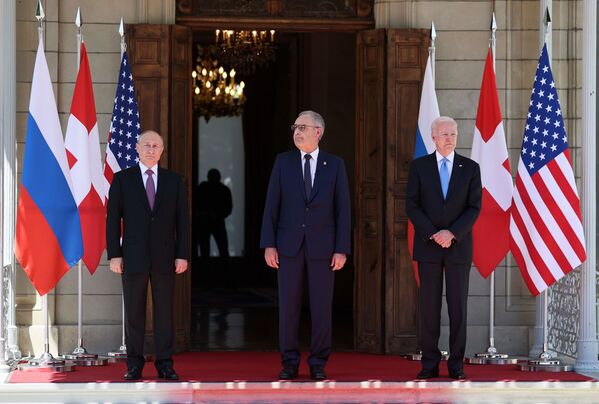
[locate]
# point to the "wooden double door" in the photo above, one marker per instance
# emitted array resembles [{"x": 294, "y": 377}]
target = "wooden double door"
[{"x": 389, "y": 70}]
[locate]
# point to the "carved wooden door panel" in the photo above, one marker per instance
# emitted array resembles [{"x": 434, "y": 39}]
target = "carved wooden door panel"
[
  {"x": 390, "y": 66},
  {"x": 369, "y": 227},
  {"x": 407, "y": 52},
  {"x": 160, "y": 57}
]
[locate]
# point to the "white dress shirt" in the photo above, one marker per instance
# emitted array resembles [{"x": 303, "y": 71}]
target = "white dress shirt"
[
  {"x": 144, "y": 176},
  {"x": 313, "y": 161}
]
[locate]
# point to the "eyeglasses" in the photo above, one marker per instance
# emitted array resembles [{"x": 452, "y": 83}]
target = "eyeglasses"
[
  {"x": 153, "y": 147},
  {"x": 301, "y": 128}
]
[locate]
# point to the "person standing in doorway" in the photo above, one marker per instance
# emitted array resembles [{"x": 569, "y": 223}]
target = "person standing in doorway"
[
  {"x": 444, "y": 195},
  {"x": 149, "y": 204},
  {"x": 306, "y": 233},
  {"x": 214, "y": 205}
]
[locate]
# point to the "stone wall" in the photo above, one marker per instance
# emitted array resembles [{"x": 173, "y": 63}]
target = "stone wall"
[
  {"x": 463, "y": 32},
  {"x": 102, "y": 292},
  {"x": 461, "y": 46}
]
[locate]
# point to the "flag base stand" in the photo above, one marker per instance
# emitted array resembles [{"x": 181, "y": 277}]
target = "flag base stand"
[
  {"x": 81, "y": 357},
  {"x": 120, "y": 355},
  {"x": 491, "y": 357},
  {"x": 545, "y": 364},
  {"x": 47, "y": 361},
  {"x": 417, "y": 356}
]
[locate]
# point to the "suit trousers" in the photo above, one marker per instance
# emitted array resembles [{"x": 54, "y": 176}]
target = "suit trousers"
[
  {"x": 320, "y": 276},
  {"x": 135, "y": 287},
  {"x": 431, "y": 291}
]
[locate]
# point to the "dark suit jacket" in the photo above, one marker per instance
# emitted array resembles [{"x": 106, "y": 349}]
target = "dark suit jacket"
[
  {"x": 429, "y": 212},
  {"x": 323, "y": 219},
  {"x": 152, "y": 239}
]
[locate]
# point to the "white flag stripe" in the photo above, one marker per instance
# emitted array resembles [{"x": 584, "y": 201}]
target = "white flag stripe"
[
  {"x": 547, "y": 215},
  {"x": 566, "y": 208},
  {"x": 496, "y": 179},
  {"x": 531, "y": 269},
  {"x": 429, "y": 107},
  {"x": 536, "y": 239},
  {"x": 543, "y": 211},
  {"x": 43, "y": 109},
  {"x": 568, "y": 172}
]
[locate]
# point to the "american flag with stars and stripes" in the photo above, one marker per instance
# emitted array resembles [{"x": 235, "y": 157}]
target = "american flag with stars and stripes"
[
  {"x": 547, "y": 238},
  {"x": 124, "y": 126}
]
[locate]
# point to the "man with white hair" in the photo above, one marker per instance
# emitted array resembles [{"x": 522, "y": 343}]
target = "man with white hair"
[{"x": 443, "y": 200}]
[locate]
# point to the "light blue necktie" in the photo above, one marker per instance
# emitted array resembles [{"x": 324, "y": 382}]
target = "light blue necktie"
[{"x": 444, "y": 174}]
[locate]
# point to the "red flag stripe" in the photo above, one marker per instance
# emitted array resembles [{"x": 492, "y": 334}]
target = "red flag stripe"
[
  {"x": 552, "y": 200},
  {"x": 520, "y": 259},
  {"x": 533, "y": 263},
  {"x": 548, "y": 215},
  {"x": 560, "y": 169},
  {"x": 545, "y": 236}
]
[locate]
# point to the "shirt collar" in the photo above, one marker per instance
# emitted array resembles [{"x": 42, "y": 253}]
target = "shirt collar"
[
  {"x": 450, "y": 157},
  {"x": 144, "y": 168},
  {"x": 314, "y": 154}
]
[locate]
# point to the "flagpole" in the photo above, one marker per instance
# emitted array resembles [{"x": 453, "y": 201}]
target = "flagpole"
[
  {"x": 431, "y": 49},
  {"x": 46, "y": 358},
  {"x": 586, "y": 344},
  {"x": 121, "y": 352},
  {"x": 491, "y": 349},
  {"x": 545, "y": 361},
  {"x": 492, "y": 356},
  {"x": 79, "y": 350},
  {"x": 80, "y": 355}
]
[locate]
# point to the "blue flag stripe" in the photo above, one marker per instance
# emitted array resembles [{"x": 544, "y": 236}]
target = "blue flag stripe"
[{"x": 45, "y": 182}]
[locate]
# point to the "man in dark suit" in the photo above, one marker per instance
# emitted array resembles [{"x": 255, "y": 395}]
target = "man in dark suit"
[
  {"x": 151, "y": 204},
  {"x": 443, "y": 201},
  {"x": 306, "y": 230},
  {"x": 214, "y": 205}
]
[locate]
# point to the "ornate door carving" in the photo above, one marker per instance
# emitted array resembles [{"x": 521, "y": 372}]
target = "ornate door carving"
[
  {"x": 390, "y": 68},
  {"x": 160, "y": 57}
]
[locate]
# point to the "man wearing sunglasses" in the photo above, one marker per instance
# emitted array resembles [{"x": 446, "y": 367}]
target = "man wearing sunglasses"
[{"x": 306, "y": 231}]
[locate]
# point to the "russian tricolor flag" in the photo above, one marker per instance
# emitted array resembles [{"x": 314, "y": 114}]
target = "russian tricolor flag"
[
  {"x": 428, "y": 112},
  {"x": 48, "y": 232}
]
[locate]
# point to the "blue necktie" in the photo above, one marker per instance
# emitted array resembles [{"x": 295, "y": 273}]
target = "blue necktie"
[
  {"x": 444, "y": 174},
  {"x": 307, "y": 176}
]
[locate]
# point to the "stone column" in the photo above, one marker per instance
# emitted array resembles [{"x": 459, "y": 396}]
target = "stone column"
[
  {"x": 393, "y": 13},
  {"x": 156, "y": 11},
  {"x": 587, "y": 338},
  {"x": 7, "y": 175}
]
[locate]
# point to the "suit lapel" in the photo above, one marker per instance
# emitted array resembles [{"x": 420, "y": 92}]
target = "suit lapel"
[
  {"x": 455, "y": 174},
  {"x": 297, "y": 168},
  {"x": 140, "y": 186},
  {"x": 159, "y": 190},
  {"x": 434, "y": 167},
  {"x": 321, "y": 167}
]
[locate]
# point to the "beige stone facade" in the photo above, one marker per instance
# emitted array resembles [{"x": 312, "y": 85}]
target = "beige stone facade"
[{"x": 461, "y": 46}]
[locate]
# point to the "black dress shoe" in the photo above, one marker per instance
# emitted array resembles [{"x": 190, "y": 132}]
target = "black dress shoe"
[
  {"x": 317, "y": 373},
  {"x": 134, "y": 373},
  {"x": 168, "y": 374},
  {"x": 457, "y": 374},
  {"x": 288, "y": 373},
  {"x": 428, "y": 373}
]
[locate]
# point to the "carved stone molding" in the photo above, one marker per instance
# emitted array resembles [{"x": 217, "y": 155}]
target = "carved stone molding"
[{"x": 284, "y": 8}]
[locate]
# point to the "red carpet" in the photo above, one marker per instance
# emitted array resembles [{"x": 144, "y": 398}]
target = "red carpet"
[{"x": 264, "y": 367}]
